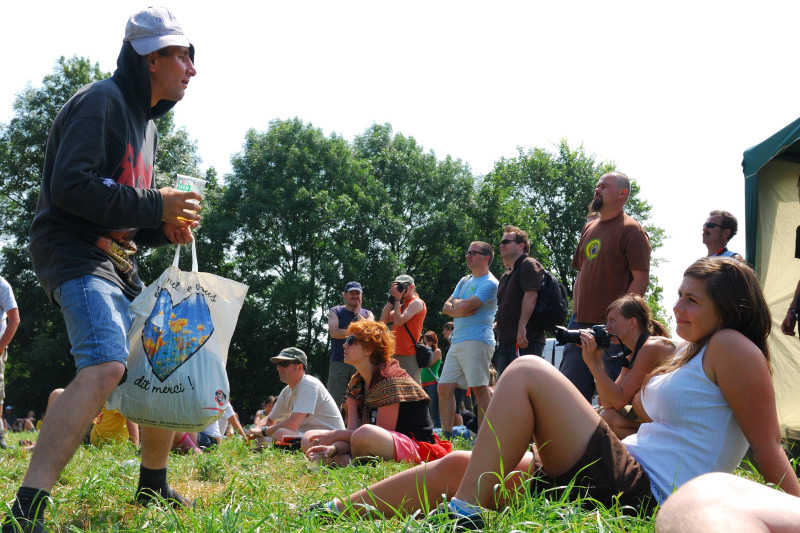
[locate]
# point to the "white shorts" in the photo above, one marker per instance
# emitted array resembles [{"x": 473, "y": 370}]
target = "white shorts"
[{"x": 467, "y": 364}]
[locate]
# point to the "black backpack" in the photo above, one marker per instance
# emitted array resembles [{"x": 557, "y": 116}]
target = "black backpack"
[{"x": 552, "y": 304}]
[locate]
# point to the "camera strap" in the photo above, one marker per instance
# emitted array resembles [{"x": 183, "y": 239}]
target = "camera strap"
[{"x": 623, "y": 357}]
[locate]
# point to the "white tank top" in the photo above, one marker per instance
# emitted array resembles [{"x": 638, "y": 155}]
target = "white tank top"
[{"x": 693, "y": 430}]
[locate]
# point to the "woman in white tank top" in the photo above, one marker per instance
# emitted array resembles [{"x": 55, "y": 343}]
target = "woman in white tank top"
[{"x": 701, "y": 410}]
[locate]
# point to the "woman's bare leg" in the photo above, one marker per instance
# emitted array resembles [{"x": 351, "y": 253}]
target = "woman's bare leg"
[
  {"x": 420, "y": 487},
  {"x": 534, "y": 399},
  {"x": 369, "y": 440}
]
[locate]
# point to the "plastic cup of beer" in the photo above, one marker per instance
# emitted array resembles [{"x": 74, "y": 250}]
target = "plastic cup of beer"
[{"x": 190, "y": 183}]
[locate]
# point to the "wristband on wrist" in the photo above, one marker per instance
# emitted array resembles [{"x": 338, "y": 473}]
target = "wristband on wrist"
[{"x": 263, "y": 431}]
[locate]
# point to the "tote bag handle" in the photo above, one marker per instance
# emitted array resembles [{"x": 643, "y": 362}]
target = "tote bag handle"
[{"x": 178, "y": 255}]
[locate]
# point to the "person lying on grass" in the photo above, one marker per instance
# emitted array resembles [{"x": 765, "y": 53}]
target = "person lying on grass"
[
  {"x": 387, "y": 411},
  {"x": 701, "y": 408},
  {"x": 645, "y": 346}
]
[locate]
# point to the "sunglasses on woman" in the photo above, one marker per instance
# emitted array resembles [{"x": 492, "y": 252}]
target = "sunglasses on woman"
[{"x": 351, "y": 340}]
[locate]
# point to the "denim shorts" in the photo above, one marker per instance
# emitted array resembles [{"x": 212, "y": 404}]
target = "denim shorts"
[{"x": 98, "y": 317}]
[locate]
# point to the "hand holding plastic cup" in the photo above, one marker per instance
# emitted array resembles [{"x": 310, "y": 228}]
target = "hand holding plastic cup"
[{"x": 190, "y": 184}]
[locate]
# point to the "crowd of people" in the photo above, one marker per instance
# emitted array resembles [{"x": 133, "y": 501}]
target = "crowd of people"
[{"x": 668, "y": 412}]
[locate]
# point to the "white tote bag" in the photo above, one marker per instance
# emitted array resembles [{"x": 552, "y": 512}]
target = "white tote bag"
[{"x": 182, "y": 327}]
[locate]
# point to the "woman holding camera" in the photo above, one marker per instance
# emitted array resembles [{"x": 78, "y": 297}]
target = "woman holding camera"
[
  {"x": 706, "y": 404},
  {"x": 645, "y": 346},
  {"x": 387, "y": 411}
]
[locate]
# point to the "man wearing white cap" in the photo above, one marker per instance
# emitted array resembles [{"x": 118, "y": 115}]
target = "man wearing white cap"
[{"x": 97, "y": 195}]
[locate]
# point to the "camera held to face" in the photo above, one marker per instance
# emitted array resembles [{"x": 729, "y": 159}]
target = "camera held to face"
[
  {"x": 401, "y": 287},
  {"x": 601, "y": 335}
]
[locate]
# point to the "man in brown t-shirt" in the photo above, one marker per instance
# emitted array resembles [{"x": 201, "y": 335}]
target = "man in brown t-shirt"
[
  {"x": 612, "y": 259},
  {"x": 516, "y": 298}
]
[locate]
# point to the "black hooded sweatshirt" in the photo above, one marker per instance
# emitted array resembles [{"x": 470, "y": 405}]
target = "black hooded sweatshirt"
[{"x": 98, "y": 182}]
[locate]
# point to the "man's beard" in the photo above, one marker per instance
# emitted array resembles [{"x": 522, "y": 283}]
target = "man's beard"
[{"x": 596, "y": 205}]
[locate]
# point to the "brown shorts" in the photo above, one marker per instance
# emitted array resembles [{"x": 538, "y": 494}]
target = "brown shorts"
[{"x": 606, "y": 473}]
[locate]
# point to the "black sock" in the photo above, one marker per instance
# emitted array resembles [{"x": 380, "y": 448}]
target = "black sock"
[
  {"x": 152, "y": 479},
  {"x": 28, "y": 509},
  {"x": 153, "y": 483}
]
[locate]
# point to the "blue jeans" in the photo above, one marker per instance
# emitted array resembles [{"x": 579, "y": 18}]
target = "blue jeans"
[
  {"x": 433, "y": 394},
  {"x": 98, "y": 317},
  {"x": 506, "y": 352},
  {"x": 573, "y": 367}
]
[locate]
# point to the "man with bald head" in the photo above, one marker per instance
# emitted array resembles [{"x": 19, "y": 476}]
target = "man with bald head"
[{"x": 612, "y": 259}]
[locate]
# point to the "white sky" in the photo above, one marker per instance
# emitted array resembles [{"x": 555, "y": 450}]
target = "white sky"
[{"x": 672, "y": 92}]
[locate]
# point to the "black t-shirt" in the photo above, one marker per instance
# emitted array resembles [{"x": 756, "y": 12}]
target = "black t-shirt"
[
  {"x": 526, "y": 276},
  {"x": 413, "y": 420}
]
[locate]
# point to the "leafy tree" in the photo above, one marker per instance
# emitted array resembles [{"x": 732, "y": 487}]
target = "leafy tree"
[
  {"x": 425, "y": 223},
  {"x": 288, "y": 218}
]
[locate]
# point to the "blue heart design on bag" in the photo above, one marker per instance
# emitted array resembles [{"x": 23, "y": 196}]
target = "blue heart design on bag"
[{"x": 173, "y": 334}]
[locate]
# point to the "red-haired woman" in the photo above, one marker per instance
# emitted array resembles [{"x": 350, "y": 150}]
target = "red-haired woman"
[{"x": 387, "y": 411}]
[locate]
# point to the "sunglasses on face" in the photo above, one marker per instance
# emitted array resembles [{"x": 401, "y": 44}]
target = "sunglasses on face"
[
  {"x": 470, "y": 253},
  {"x": 506, "y": 241},
  {"x": 351, "y": 340},
  {"x": 285, "y": 364},
  {"x": 712, "y": 225}
]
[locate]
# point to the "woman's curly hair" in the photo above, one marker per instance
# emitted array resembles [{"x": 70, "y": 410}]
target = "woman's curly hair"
[{"x": 376, "y": 338}]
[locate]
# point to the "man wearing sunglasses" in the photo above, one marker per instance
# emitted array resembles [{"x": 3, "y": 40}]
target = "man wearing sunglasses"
[
  {"x": 303, "y": 404},
  {"x": 472, "y": 305},
  {"x": 516, "y": 298},
  {"x": 718, "y": 229}
]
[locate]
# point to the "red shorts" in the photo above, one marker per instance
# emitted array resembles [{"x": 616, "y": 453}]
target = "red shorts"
[{"x": 413, "y": 451}]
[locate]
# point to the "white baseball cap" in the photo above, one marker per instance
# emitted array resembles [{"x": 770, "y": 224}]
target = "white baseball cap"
[{"x": 152, "y": 29}]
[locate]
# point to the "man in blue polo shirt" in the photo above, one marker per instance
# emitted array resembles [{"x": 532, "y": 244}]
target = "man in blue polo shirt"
[{"x": 472, "y": 305}]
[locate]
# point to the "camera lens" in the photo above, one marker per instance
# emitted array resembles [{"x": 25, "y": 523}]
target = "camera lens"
[{"x": 564, "y": 335}]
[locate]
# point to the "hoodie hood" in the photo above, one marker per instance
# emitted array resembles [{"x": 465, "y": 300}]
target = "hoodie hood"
[{"x": 133, "y": 79}]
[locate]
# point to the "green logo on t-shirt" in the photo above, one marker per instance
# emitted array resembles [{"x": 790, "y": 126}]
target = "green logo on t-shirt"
[{"x": 592, "y": 249}]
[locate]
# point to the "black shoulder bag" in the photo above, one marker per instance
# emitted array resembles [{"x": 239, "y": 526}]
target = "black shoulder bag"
[{"x": 424, "y": 353}]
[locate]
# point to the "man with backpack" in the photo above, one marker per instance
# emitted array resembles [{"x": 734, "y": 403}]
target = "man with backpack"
[{"x": 517, "y": 295}]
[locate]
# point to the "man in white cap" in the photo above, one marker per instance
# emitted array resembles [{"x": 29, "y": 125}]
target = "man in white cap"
[{"x": 97, "y": 195}]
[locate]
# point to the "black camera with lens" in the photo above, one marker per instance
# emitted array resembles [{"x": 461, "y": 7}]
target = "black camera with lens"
[
  {"x": 601, "y": 335},
  {"x": 401, "y": 287}
]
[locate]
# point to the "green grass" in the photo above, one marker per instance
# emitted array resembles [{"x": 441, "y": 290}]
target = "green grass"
[{"x": 238, "y": 490}]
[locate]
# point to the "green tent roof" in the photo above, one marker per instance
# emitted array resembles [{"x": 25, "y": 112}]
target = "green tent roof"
[{"x": 784, "y": 146}]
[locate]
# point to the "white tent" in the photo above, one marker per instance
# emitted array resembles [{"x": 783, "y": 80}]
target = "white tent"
[{"x": 771, "y": 171}]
